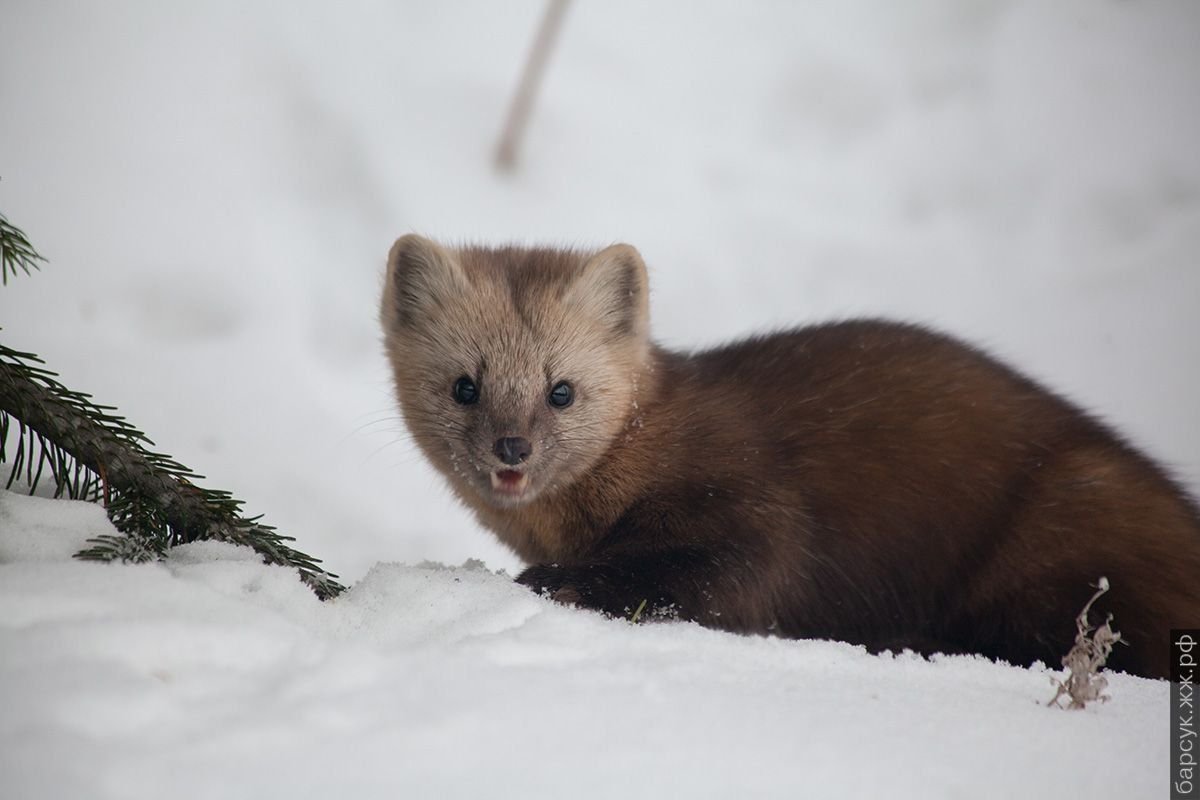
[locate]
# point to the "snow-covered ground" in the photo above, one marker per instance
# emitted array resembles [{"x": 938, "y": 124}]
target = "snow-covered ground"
[
  {"x": 216, "y": 185},
  {"x": 211, "y": 675}
]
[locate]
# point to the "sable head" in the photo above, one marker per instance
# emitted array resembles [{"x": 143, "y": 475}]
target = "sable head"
[{"x": 515, "y": 368}]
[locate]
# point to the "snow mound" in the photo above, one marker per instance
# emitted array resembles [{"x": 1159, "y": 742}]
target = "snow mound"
[{"x": 213, "y": 675}]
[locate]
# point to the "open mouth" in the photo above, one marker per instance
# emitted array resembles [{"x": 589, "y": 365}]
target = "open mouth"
[{"x": 509, "y": 482}]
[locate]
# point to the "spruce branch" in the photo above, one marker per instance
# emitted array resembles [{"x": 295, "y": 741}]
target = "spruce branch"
[
  {"x": 15, "y": 251},
  {"x": 92, "y": 453}
]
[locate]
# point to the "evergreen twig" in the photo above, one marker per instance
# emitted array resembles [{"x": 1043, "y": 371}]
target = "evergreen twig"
[
  {"x": 90, "y": 451},
  {"x": 15, "y": 251}
]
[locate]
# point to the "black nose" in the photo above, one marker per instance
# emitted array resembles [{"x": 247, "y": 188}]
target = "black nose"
[{"x": 512, "y": 450}]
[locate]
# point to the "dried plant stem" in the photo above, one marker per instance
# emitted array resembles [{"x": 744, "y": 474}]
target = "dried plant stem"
[{"x": 1084, "y": 683}]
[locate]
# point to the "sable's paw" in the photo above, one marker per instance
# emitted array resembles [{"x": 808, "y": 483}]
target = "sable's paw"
[
  {"x": 550, "y": 580},
  {"x": 584, "y": 586}
]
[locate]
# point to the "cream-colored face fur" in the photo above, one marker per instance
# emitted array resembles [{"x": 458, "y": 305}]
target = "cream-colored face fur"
[{"x": 515, "y": 322}]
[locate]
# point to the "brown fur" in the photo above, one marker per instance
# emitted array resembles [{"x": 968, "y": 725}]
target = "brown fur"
[{"x": 864, "y": 481}]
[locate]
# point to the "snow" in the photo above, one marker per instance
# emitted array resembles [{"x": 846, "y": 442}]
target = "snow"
[
  {"x": 216, "y": 187},
  {"x": 211, "y": 675}
]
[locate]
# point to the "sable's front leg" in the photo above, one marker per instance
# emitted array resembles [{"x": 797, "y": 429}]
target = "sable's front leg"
[{"x": 616, "y": 589}]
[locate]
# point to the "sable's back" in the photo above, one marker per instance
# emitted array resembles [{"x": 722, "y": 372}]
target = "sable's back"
[
  {"x": 909, "y": 408},
  {"x": 938, "y": 486}
]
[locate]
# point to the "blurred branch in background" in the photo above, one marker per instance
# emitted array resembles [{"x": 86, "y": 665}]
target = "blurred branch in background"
[{"x": 531, "y": 78}]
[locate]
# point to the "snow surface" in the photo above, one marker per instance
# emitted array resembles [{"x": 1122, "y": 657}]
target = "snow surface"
[
  {"x": 216, "y": 185},
  {"x": 212, "y": 675}
]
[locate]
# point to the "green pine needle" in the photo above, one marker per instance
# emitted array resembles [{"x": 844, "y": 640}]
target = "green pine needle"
[
  {"x": 15, "y": 251},
  {"x": 637, "y": 614}
]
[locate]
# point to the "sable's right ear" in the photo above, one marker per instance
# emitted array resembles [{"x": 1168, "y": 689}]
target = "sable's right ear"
[{"x": 420, "y": 275}]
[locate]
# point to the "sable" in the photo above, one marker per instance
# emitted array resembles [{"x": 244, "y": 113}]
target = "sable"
[{"x": 865, "y": 481}]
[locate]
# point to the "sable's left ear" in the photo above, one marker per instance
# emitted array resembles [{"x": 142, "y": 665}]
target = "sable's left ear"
[{"x": 613, "y": 287}]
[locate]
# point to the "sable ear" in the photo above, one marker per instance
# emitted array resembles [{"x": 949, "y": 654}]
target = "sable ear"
[
  {"x": 613, "y": 288},
  {"x": 420, "y": 275}
]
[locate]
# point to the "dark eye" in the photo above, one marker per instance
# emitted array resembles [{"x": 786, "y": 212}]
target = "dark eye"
[
  {"x": 562, "y": 395},
  {"x": 465, "y": 391}
]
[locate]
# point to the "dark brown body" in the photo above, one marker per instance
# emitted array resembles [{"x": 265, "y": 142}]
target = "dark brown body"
[
  {"x": 878, "y": 484},
  {"x": 865, "y": 481}
]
